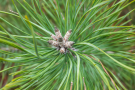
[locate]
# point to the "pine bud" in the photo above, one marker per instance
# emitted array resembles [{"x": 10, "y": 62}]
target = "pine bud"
[
  {"x": 67, "y": 35},
  {"x": 54, "y": 37},
  {"x": 62, "y": 50},
  {"x": 54, "y": 43},
  {"x": 57, "y": 33},
  {"x": 69, "y": 44}
]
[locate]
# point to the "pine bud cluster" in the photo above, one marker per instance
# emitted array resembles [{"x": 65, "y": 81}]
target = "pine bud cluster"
[{"x": 59, "y": 42}]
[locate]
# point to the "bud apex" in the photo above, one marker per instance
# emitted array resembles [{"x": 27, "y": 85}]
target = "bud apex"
[
  {"x": 56, "y": 29},
  {"x": 67, "y": 35},
  {"x": 54, "y": 43},
  {"x": 54, "y": 37},
  {"x": 69, "y": 44},
  {"x": 50, "y": 42},
  {"x": 70, "y": 31},
  {"x": 57, "y": 33},
  {"x": 62, "y": 50}
]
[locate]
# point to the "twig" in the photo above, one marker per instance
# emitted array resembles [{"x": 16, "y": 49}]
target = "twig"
[
  {"x": 71, "y": 85},
  {"x": 13, "y": 12},
  {"x": 55, "y": 4},
  {"x": 105, "y": 71},
  {"x": 84, "y": 84},
  {"x": 108, "y": 74}
]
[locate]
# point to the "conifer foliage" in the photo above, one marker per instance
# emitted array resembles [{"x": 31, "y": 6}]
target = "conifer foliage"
[{"x": 96, "y": 54}]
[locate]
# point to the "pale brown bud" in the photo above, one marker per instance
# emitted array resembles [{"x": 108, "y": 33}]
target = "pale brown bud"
[
  {"x": 56, "y": 29},
  {"x": 67, "y": 35},
  {"x": 69, "y": 44},
  {"x": 62, "y": 50},
  {"x": 54, "y": 37},
  {"x": 54, "y": 43},
  {"x": 50, "y": 42},
  {"x": 57, "y": 33}
]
